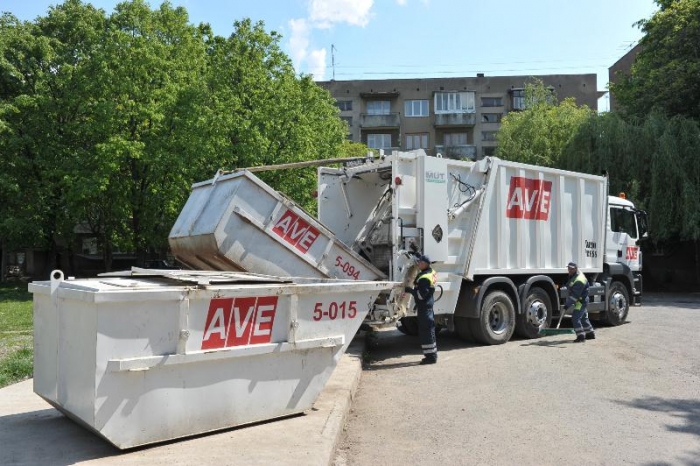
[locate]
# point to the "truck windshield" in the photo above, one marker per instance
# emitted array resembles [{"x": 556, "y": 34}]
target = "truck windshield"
[{"x": 623, "y": 221}]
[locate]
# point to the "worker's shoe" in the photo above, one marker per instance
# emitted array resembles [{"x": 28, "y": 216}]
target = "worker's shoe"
[
  {"x": 590, "y": 336},
  {"x": 428, "y": 360},
  {"x": 580, "y": 339}
]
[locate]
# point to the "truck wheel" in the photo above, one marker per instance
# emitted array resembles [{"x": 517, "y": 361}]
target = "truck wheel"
[
  {"x": 496, "y": 324},
  {"x": 618, "y": 305},
  {"x": 537, "y": 314},
  {"x": 463, "y": 328},
  {"x": 409, "y": 326}
]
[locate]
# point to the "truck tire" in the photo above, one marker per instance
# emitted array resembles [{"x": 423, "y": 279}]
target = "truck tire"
[
  {"x": 496, "y": 323},
  {"x": 618, "y": 305},
  {"x": 463, "y": 328},
  {"x": 537, "y": 314},
  {"x": 409, "y": 325}
]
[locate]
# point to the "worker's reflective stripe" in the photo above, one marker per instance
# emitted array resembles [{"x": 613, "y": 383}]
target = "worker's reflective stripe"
[{"x": 429, "y": 349}]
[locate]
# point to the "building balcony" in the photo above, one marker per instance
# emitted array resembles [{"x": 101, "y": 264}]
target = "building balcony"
[
  {"x": 455, "y": 119},
  {"x": 389, "y": 120},
  {"x": 463, "y": 151}
]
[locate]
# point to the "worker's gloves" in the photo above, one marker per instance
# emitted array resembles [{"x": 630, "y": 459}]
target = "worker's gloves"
[{"x": 408, "y": 289}]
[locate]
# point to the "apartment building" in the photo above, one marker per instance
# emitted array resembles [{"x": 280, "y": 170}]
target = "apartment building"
[{"x": 456, "y": 117}]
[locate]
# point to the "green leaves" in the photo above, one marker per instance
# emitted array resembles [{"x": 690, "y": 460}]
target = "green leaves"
[
  {"x": 106, "y": 120},
  {"x": 664, "y": 75},
  {"x": 538, "y": 134}
]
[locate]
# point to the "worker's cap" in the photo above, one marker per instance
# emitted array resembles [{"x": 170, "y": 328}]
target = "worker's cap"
[
  {"x": 572, "y": 265},
  {"x": 424, "y": 259}
]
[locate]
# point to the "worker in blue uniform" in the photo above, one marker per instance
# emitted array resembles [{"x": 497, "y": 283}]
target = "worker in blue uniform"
[
  {"x": 578, "y": 297},
  {"x": 422, "y": 291}
]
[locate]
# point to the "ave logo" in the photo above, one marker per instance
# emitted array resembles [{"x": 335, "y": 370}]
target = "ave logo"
[
  {"x": 632, "y": 253},
  {"x": 296, "y": 231},
  {"x": 239, "y": 322},
  {"x": 529, "y": 199}
]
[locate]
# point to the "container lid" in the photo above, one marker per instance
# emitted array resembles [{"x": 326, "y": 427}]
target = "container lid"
[{"x": 199, "y": 277}]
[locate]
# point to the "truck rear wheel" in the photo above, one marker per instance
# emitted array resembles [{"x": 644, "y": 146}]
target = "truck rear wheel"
[
  {"x": 537, "y": 314},
  {"x": 496, "y": 323},
  {"x": 409, "y": 325},
  {"x": 618, "y": 305},
  {"x": 463, "y": 327}
]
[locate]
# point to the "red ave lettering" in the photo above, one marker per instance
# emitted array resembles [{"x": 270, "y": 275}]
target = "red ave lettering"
[
  {"x": 529, "y": 199},
  {"x": 296, "y": 231},
  {"x": 239, "y": 322},
  {"x": 632, "y": 253}
]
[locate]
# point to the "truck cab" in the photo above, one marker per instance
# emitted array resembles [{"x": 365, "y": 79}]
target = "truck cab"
[{"x": 627, "y": 227}]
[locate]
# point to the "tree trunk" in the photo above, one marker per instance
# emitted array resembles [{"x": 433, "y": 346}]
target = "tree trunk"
[
  {"x": 3, "y": 261},
  {"x": 697, "y": 261},
  {"x": 107, "y": 255}
]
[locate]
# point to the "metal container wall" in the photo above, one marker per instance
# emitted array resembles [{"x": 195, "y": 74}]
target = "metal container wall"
[
  {"x": 536, "y": 219},
  {"x": 237, "y": 222},
  {"x": 145, "y": 359}
]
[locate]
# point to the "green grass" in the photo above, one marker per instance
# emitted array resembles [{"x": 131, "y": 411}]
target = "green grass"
[{"x": 16, "y": 334}]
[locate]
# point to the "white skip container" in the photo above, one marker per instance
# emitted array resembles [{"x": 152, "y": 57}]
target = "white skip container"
[
  {"x": 237, "y": 222},
  {"x": 151, "y": 356}
]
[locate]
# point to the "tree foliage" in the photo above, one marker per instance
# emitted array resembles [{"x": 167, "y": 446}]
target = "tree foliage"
[
  {"x": 107, "y": 119},
  {"x": 538, "y": 134},
  {"x": 665, "y": 73}
]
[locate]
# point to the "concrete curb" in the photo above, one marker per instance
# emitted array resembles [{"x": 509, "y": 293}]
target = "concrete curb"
[{"x": 32, "y": 432}]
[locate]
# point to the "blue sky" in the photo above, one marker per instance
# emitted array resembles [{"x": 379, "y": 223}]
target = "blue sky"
[{"x": 378, "y": 39}]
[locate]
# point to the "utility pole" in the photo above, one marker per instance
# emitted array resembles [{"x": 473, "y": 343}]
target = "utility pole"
[{"x": 333, "y": 49}]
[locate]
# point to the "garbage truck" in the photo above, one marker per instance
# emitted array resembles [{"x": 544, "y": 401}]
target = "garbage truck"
[{"x": 499, "y": 233}]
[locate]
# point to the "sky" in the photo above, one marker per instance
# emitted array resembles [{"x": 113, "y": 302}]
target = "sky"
[{"x": 391, "y": 39}]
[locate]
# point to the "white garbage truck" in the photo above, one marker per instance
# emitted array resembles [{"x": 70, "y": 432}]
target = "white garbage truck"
[{"x": 499, "y": 234}]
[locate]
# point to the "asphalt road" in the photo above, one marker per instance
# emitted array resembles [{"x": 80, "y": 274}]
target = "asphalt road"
[{"x": 632, "y": 396}]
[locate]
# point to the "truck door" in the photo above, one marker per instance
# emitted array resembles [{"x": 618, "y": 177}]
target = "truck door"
[
  {"x": 432, "y": 206},
  {"x": 622, "y": 244}
]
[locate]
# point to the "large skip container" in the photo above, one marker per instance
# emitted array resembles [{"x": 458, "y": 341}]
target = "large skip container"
[
  {"x": 237, "y": 222},
  {"x": 153, "y": 356}
]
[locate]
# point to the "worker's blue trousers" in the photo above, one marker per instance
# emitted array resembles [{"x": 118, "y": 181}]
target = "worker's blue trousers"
[
  {"x": 426, "y": 330},
  {"x": 580, "y": 320}
]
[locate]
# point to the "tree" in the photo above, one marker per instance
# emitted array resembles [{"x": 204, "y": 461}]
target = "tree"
[
  {"x": 538, "y": 134},
  {"x": 665, "y": 72},
  {"x": 39, "y": 104},
  {"x": 106, "y": 121},
  {"x": 259, "y": 112}
]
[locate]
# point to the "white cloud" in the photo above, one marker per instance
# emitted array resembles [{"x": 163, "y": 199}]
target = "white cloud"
[
  {"x": 326, "y": 13},
  {"x": 299, "y": 40},
  {"x": 401, "y": 2},
  {"x": 317, "y": 64}
]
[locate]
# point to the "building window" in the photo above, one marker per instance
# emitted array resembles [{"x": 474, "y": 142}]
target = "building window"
[
  {"x": 344, "y": 105},
  {"x": 492, "y": 101},
  {"x": 416, "y": 108},
  {"x": 491, "y": 117},
  {"x": 379, "y": 141},
  {"x": 455, "y": 139},
  {"x": 518, "y": 96},
  {"x": 417, "y": 141},
  {"x": 455, "y": 102},
  {"x": 378, "y": 107},
  {"x": 489, "y": 151},
  {"x": 488, "y": 135},
  {"x": 347, "y": 120}
]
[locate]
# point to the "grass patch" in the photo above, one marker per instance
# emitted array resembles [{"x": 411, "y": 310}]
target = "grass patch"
[{"x": 16, "y": 333}]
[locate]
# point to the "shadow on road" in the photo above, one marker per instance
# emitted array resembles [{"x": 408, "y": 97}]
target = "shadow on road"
[{"x": 687, "y": 411}]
